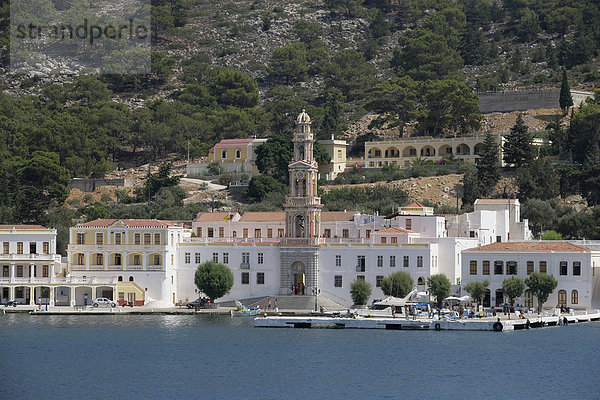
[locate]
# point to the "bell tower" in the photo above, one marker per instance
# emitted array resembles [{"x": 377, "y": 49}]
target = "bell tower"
[
  {"x": 302, "y": 204},
  {"x": 299, "y": 249}
]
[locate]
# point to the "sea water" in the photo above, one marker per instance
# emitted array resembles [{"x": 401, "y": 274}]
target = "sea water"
[{"x": 217, "y": 357}]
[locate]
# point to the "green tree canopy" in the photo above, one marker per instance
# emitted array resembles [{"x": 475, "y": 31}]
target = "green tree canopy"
[
  {"x": 488, "y": 166},
  {"x": 518, "y": 148},
  {"x": 439, "y": 286},
  {"x": 537, "y": 180},
  {"x": 213, "y": 279},
  {"x": 541, "y": 285},
  {"x": 289, "y": 63},
  {"x": 565, "y": 100},
  {"x": 350, "y": 72},
  {"x": 540, "y": 213},
  {"x": 261, "y": 186},
  {"x": 161, "y": 179},
  {"x": 513, "y": 287},
  {"x": 397, "y": 284},
  {"x": 360, "y": 290},
  {"x": 477, "y": 290}
]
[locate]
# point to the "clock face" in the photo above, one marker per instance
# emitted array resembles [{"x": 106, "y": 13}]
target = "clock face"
[{"x": 299, "y": 175}]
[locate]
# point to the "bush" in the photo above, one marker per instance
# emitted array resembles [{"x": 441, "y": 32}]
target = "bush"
[
  {"x": 360, "y": 290},
  {"x": 213, "y": 279},
  {"x": 552, "y": 235}
]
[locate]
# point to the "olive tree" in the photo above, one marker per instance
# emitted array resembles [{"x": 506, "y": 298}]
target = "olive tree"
[
  {"x": 398, "y": 284},
  {"x": 213, "y": 279},
  {"x": 513, "y": 287},
  {"x": 541, "y": 285},
  {"x": 360, "y": 290},
  {"x": 477, "y": 290},
  {"x": 439, "y": 286}
]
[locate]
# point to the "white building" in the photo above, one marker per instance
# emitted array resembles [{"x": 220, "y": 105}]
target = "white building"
[
  {"x": 31, "y": 269},
  {"x": 131, "y": 260},
  {"x": 308, "y": 250},
  {"x": 576, "y": 268},
  {"x": 493, "y": 220}
]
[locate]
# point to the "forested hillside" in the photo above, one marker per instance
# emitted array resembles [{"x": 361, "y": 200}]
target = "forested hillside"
[{"x": 235, "y": 69}]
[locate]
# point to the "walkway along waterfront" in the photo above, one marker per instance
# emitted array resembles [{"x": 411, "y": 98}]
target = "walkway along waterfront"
[{"x": 470, "y": 324}]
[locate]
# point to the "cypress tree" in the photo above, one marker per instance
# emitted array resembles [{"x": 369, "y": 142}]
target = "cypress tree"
[
  {"x": 565, "y": 100},
  {"x": 488, "y": 166}
]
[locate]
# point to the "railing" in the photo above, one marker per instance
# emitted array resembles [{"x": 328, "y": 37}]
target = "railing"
[
  {"x": 30, "y": 257},
  {"x": 115, "y": 267},
  {"x": 360, "y": 268},
  {"x": 245, "y": 265},
  {"x": 97, "y": 267},
  {"x": 77, "y": 267},
  {"x": 134, "y": 268},
  {"x": 154, "y": 268},
  {"x": 300, "y": 241}
]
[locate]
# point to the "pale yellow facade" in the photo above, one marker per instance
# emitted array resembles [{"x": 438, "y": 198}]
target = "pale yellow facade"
[{"x": 402, "y": 152}]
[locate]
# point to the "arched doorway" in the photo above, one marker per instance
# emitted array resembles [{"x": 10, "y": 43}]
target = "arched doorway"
[
  {"x": 299, "y": 274},
  {"x": 499, "y": 297},
  {"x": 487, "y": 298}
]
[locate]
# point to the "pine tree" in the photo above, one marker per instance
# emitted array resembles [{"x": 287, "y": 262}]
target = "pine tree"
[
  {"x": 565, "y": 100},
  {"x": 591, "y": 176},
  {"x": 518, "y": 149},
  {"x": 488, "y": 166}
]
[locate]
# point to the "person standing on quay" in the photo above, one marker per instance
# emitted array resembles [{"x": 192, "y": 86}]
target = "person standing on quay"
[
  {"x": 269, "y": 304},
  {"x": 276, "y": 307}
]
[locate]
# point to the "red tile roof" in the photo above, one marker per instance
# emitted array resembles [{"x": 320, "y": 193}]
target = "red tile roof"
[
  {"x": 415, "y": 204},
  {"x": 496, "y": 201},
  {"x": 332, "y": 216},
  {"x": 131, "y": 223},
  {"x": 394, "y": 230},
  {"x": 531, "y": 246},
  {"x": 23, "y": 227},
  {"x": 213, "y": 216},
  {"x": 233, "y": 142},
  {"x": 263, "y": 216}
]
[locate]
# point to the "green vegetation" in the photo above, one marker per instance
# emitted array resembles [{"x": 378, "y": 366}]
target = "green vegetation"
[
  {"x": 477, "y": 290},
  {"x": 213, "y": 279},
  {"x": 439, "y": 287},
  {"x": 513, "y": 287},
  {"x": 381, "y": 199},
  {"x": 360, "y": 290},
  {"x": 397, "y": 284},
  {"x": 541, "y": 285}
]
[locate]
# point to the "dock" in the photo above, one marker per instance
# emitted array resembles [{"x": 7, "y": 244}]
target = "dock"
[{"x": 466, "y": 324}]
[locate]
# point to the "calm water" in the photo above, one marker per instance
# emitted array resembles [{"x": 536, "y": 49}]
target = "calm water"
[{"x": 182, "y": 357}]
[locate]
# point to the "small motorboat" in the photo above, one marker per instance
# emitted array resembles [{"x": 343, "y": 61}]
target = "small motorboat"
[{"x": 243, "y": 311}]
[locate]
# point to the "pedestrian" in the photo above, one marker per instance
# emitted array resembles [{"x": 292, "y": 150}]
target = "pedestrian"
[
  {"x": 393, "y": 311},
  {"x": 269, "y": 304},
  {"x": 276, "y": 307}
]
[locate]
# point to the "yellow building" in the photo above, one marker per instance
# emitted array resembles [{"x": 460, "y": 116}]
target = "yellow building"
[
  {"x": 402, "y": 152},
  {"x": 337, "y": 151}
]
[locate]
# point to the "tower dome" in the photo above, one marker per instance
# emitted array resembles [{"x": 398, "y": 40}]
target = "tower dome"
[{"x": 303, "y": 117}]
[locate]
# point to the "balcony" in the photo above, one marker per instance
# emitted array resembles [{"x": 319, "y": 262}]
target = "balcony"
[
  {"x": 360, "y": 268},
  {"x": 30, "y": 257},
  {"x": 78, "y": 267},
  {"x": 245, "y": 265},
  {"x": 115, "y": 267},
  {"x": 96, "y": 267},
  {"x": 134, "y": 268},
  {"x": 154, "y": 268}
]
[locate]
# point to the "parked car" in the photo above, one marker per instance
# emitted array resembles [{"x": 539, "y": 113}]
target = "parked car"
[
  {"x": 10, "y": 303},
  {"x": 103, "y": 301},
  {"x": 200, "y": 303}
]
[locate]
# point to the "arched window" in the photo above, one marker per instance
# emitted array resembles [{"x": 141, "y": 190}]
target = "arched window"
[
  {"x": 238, "y": 153},
  {"x": 421, "y": 281},
  {"x": 574, "y": 297},
  {"x": 120, "y": 279},
  {"x": 131, "y": 279},
  {"x": 562, "y": 297}
]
